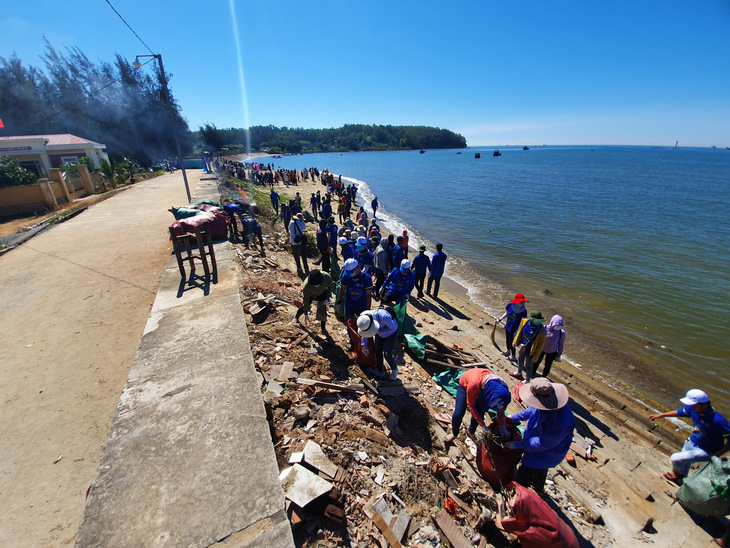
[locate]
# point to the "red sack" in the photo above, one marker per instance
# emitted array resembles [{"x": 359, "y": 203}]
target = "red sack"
[
  {"x": 535, "y": 524},
  {"x": 217, "y": 224},
  {"x": 498, "y": 464},
  {"x": 362, "y": 359}
]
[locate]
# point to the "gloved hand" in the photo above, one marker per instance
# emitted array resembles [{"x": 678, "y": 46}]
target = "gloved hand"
[
  {"x": 306, "y": 318},
  {"x": 511, "y": 445},
  {"x": 558, "y": 359},
  {"x": 504, "y": 434},
  {"x": 365, "y": 350}
]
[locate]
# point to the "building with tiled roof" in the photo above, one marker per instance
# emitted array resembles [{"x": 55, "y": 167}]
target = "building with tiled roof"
[{"x": 40, "y": 153}]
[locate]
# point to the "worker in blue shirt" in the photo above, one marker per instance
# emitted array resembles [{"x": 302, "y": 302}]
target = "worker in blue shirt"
[
  {"x": 548, "y": 433},
  {"x": 398, "y": 253},
  {"x": 355, "y": 294},
  {"x": 399, "y": 284},
  {"x": 275, "y": 200},
  {"x": 438, "y": 261},
  {"x": 710, "y": 435},
  {"x": 421, "y": 265}
]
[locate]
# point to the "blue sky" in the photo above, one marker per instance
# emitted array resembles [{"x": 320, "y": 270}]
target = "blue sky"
[{"x": 530, "y": 72}]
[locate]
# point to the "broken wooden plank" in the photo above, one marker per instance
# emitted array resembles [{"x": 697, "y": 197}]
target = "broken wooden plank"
[
  {"x": 452, "y": 531},
  {"x": 354, "y": 388}
]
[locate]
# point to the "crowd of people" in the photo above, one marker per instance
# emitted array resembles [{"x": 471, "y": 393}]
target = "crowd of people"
[{"x": 376, "y": 267}]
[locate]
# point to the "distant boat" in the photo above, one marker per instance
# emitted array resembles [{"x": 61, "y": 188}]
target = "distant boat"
[
  {"x": 675, "y": 145},
  {"x": 477, "y": 155},
  {"x": 525, "y": 148},
  {"x": 496, "y": 153},
  {"x": 458, "y": 152},
  {"x": 713, "y": 146},
  {"x": 422, "y": 151}
]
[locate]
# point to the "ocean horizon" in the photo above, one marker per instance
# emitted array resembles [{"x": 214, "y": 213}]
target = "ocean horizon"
[{"x": 630, "y": 244}]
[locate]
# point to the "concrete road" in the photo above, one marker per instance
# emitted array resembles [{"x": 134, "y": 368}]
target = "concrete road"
[{"x": 74, "y": 304}]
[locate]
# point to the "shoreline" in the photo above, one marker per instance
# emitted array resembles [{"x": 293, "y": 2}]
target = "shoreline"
[{"x": 617, "y": 369}]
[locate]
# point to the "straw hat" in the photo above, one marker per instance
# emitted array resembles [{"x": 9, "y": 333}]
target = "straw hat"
[{"x": 543, "y": 394}]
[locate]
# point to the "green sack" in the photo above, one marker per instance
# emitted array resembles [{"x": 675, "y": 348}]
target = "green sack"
[
  {"x": 207, "y": 202},
  {"x": 405, "y": 323},
  {"x": 707, "y": 491},
  {"x": 449, "y": 379},
  {"x": 184, "y": 212},
  {"x": 417, "y": 345}
]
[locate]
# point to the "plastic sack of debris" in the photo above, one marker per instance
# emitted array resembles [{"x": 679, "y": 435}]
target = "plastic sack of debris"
[
  {"x": 497, "y": 464},
  {"x": 204, "y": 206},
  {"x": 417, "y": 345},
  {"x": 217, "y": 224},
  {"x": 535, "y": 524},
  {"x": 707, "y": 491},
  {"x": 362, "y": 359},
  {"x": 184, "y": 212}
]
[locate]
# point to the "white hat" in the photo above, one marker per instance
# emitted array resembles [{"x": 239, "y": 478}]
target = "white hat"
[
  {"x": 405, "y": 264},
  {"x": 694, "y": 396},
  {"x": 342, "y": 240},
  {"x": 350, "y": 265},
  {"x": 367, "y": 325}
]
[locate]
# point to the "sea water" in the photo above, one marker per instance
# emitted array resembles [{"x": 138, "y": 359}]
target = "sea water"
[{"x": 631, "y": 245}]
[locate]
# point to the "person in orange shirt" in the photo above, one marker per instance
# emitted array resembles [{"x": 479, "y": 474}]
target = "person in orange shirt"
[{"x": 480, "y": 390}]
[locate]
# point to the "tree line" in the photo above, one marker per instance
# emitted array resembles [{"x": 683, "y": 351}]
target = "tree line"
[
  {"x": 111, "y": 103},
  {"x": 350, "y": 137}
]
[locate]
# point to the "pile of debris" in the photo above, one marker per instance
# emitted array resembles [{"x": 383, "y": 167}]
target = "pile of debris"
[{"x": 362, "y": 462}]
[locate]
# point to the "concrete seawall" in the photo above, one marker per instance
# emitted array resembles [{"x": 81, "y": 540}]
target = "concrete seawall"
[{"x": 189, "y": 459}]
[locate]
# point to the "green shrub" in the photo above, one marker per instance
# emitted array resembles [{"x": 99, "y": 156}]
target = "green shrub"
[{"x": 13, "y": 175}]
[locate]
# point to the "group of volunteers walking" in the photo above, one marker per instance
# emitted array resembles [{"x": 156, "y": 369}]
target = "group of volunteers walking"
[{"x": 529, "y": 340}]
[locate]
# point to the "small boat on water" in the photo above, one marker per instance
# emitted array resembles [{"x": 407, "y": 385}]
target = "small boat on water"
[
  {"x": 496, "y": 153},
  {"x": 477, "y": 155},
  {"x": 525, "y": 148},
  {"x": 458, "y": 152},
  {"x": 422, "y": 151}
]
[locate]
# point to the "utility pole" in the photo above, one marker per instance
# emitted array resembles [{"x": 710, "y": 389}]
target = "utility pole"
[{"x": 166, "y": 99}]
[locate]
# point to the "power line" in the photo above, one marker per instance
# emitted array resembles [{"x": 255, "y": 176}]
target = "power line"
[{"x": 130, "y": 28}]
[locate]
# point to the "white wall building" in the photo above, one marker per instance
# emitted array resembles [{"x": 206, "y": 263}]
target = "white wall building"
[{"x": 39, "y": 153}]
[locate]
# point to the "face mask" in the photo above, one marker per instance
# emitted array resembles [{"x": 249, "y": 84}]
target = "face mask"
[
  {"x": 518, "y": 306},
  {"x": 557, "y": 327}
]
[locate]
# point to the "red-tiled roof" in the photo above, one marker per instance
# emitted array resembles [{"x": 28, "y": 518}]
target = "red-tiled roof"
[{"x": 54, "y": 139}]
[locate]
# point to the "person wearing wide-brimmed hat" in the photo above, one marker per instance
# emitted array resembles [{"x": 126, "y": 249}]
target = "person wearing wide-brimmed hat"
[
  {"x": 548, "y": 433},
  {"x": 528, "y": 341},
  {"x": 514, "y": 312},
  {"x": 382, "y": 325},
  {"x": 710, "y": 436}
]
